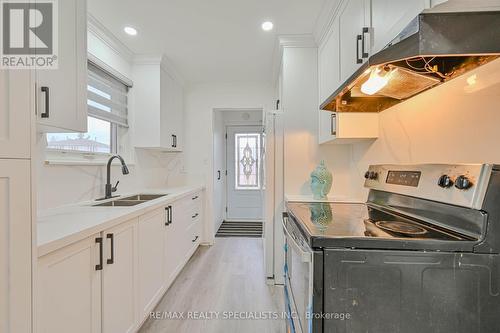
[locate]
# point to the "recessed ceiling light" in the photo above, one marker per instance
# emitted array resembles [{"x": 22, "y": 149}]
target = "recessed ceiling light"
[
  {"x": 130, "y": 31},
  {"x": 267, "y": 26}
]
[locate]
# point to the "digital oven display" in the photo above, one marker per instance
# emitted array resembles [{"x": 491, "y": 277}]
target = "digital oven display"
[{"x": 405, "y": 178}]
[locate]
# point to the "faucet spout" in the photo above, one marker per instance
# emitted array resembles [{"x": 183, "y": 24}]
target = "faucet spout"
[{"x": 109, "y": 189}]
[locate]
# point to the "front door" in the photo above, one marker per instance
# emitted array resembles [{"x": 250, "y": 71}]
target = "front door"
[{"x": 243, "y": 151}]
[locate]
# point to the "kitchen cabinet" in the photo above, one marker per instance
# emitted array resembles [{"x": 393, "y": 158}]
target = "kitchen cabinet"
[
  {"x": 347, "y": 127},
  {"x": 151, "y": 266},
  {"x": 69, "y": 289},
  {"x": 158, "y": 98},
  {"x": 354, "y": 23},
  {"x": 390, "y": 17},
  {"x": 15, "y": 113},
  {"x": 329, "y": 62},
  {"x": 61, "y": 94},
  {"x": 15, "y": 246},
  {"x": 119, "y": 279},
  {"x": 183, "y": 234}
]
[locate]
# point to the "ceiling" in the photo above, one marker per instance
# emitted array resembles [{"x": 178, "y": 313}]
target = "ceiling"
[{"x": 209, "y": 40}]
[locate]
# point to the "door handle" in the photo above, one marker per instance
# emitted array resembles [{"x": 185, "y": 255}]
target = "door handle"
[
  {"x": 98, "y": 267},
  {"x": 359, "y": 38},
  {"x": 46, "y": 112},
  {"x": 112, "y": 259},
  {"x": 363, "y": 42}
]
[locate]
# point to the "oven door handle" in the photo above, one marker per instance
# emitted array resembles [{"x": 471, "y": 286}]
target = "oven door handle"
[{"x": 306, "y": 256}]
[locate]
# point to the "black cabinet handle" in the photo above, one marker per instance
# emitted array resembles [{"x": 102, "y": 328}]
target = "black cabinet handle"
[
  {"x": 333, "y": 124},
  {"x": 359, "y": 38},
  {"x": 218, "y": 174},
  {"x": 46, "y": 112},
  {"x": 194, "y": 198},
  {"x": 169, "y": 215},
  {"x": 174, "y": 141},
  {"x": 195, "y": 216},
  {"x": 195, "y": 239},
  {"x": 98, "y": 267},
  {"x": 112, "y": 259},
  {"x": 363, "y": 42}
]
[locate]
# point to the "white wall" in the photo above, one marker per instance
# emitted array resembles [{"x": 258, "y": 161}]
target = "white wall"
[
  {"x": 458, "y": 122},
  {"x": 200, "y": 101},
  {"x": 302, "y": 152},
  {"x": 67, "y": 184}
]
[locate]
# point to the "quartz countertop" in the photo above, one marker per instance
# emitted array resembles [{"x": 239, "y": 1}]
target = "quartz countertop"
[{"x": 62, "y": 226}]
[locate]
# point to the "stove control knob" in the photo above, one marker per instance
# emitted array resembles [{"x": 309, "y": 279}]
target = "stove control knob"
[
  {"x": 463, "y": 183},
  {"x": 373, "y": 175},
  {"x": 445, "y": 181},
  {"x": 367, "y": 174}
]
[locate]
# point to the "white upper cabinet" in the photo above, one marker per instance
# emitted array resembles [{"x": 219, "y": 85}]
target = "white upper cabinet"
[
  {"x": 61, "y": 94},
  {"x": 390, "y": 17},
  {"x": 354, "y": 36},
  {"x": 329, "y": 62},
  {"x": 158, "y": 102},
  {"x": 15, "y": 113}
]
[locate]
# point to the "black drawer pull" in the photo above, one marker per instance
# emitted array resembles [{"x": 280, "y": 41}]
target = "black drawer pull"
[
  {"x": 195, "y": 239},
  {"x": 112, "y": 259},
  {"x": 46, "y": 112},
  {"x": 195, "y": 216},
  {"x": 98, "y": 267},
  {"x": 194, "y": 198}
]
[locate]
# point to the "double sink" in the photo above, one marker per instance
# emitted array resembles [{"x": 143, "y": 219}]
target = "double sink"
[{"x": 130, "y": 201}]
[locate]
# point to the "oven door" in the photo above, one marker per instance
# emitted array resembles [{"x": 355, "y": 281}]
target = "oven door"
[{"x": 298, "y": 278}]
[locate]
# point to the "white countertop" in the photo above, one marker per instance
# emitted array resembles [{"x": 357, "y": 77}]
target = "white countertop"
[{"x": 59, "y": 227}]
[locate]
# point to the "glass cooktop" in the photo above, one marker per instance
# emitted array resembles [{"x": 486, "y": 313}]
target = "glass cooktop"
[{"x": 354, "y": 220}]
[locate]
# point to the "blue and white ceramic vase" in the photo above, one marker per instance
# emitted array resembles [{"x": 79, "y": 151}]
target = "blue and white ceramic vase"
[{"x": 321, "y": 182}]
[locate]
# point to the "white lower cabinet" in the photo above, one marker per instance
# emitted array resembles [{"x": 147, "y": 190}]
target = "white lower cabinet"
[
  {"x": 150, "y": 245},
  {"x": 69, "y": 289},
  {"x": 119, "y": 276},
  {"x": 111, "y": 281}
]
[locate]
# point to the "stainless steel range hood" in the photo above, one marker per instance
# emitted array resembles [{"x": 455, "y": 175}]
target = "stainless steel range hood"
[{"x": 434, "y": 48}]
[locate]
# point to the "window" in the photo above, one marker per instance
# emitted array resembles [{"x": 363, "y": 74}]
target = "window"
[
  {"x": 107, "y": 112},
  {"x": 248, "y": 146}
]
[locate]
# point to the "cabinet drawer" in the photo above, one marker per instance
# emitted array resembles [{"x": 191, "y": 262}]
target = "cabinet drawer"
[{"x": 193, "y": 234}]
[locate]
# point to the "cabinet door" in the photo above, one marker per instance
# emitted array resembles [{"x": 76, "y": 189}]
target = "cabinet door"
[
  {"x": 173, "y": 241},
  {"x": 327, "y": 126},
  {"x": 15, "y": 246},
  {"x": 150, "y": 252},
  {"x": 69, "y": 289},
  {"x": 119, "y": 279},
  {"x": 352, "y": 20},
  {"x": 329, "y": 63},
  {"x": 15, "y": 113},
  {"x": 66, "y": 87},
  {"x": 390, "y": 17}
]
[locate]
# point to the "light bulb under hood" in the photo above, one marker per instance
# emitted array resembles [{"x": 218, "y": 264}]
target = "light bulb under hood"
[{"x": 379, "y": 77}]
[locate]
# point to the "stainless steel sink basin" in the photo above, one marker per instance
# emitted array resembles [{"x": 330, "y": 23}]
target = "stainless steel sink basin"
[
  {"x": 130, "y": 200},
  {"x": 144, "y": 197},
  {"x": 120, "y": 203}
]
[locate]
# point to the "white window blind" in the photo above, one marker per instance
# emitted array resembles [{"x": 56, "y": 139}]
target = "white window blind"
[{"x": 106, "y": 96}]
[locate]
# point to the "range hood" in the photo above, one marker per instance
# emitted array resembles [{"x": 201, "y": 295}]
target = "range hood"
[{"x": 434, "y": 48}]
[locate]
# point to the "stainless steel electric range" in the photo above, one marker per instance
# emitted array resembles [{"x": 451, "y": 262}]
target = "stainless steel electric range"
[{"x": 421, "y": 255}]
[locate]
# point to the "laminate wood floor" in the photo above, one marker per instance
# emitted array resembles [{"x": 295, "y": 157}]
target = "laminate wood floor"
[{"x": 225, "y": 278}]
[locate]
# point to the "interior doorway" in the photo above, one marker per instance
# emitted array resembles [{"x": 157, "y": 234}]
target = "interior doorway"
[{"x": 238, "y": 170}]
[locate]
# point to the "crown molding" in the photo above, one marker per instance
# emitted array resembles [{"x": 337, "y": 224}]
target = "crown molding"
[
  {"x": 100, "y": 31},
  {"x": 289, "y": 41},
  {"x": 163, "y": 62}
]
